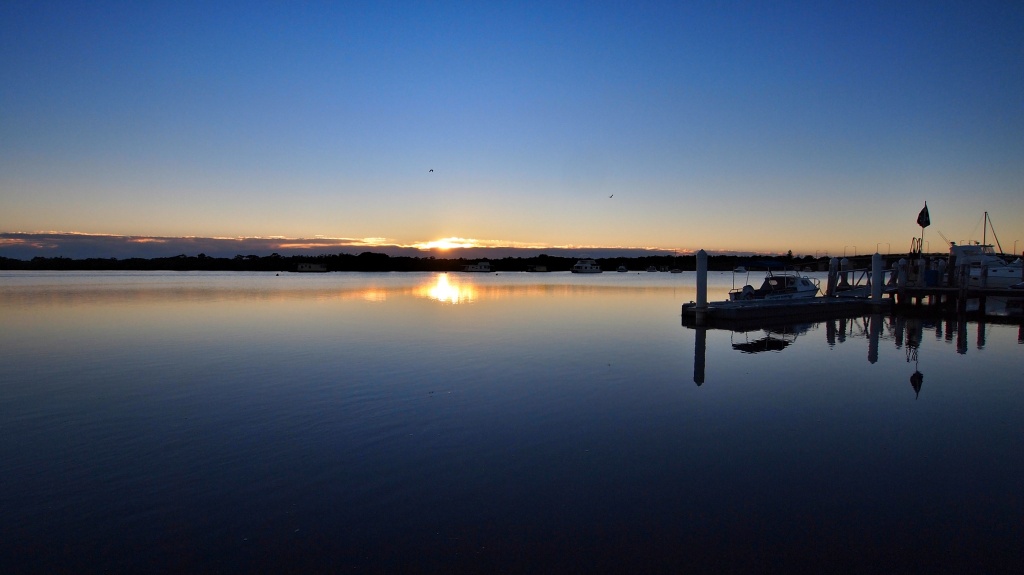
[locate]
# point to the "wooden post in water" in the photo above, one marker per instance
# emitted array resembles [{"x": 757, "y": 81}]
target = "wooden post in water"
[
  {"x": 901, "y": 281},
  {"x": 702, "y": 285},
  {"x": 844, "y": 280},
  {"x": 833, "y": 277},
  {"x": 876, "y": 278},
  {"x": 964, "y": 277}
]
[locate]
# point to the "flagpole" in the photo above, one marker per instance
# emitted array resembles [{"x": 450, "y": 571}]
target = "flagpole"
[{"x": 923, "y": 220}]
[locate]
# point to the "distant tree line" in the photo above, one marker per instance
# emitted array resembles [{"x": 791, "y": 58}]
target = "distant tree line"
[{"x": 377, "y": 262}]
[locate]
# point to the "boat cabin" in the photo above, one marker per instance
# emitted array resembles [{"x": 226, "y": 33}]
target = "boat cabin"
[{"x": 785, "y": 284}]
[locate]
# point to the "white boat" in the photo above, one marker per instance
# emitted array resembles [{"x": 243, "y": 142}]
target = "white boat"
[
  {"x": 652, "y": 269},
  {"x": 586, "y": 266},
  {"x": 984, "y": 267},
  {"x": 621, "y": 269},
  {"x": 739, "y": 270},
  {"x": 479, "y": 267},
  {"x": 782, "y": 285}
]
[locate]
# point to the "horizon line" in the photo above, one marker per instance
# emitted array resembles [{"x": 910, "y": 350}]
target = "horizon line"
[{"x": 18, "y": 245}]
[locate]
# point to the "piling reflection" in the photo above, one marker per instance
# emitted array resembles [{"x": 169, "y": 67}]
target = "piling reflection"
[
  {"x": 700, "y": 347},
  {"x": 900, "y": 332}
]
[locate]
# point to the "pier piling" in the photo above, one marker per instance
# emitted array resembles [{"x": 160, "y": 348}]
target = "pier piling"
[
  {"x": 702, "y": 285},
  {"x": 876, "y": 278}
]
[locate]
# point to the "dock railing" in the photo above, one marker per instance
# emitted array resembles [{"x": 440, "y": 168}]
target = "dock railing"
[{"x": 844, "y": 281}]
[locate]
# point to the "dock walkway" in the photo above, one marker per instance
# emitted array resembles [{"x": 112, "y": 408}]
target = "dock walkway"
[{"x": 761, "y": 311}]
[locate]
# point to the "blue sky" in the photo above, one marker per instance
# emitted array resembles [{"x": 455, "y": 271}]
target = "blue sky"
[{"x": 725, "y": 126}]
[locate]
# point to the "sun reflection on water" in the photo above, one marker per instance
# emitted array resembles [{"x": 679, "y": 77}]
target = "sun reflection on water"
[
  {"x": 446, "y": 291},
  {"x": 374, "y": 295}
]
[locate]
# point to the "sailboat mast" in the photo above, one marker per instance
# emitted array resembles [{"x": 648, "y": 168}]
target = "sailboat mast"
[{"x": 989, "y": 224}]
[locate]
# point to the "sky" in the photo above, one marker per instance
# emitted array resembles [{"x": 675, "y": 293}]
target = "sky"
[{"x": 816, "y": 127}]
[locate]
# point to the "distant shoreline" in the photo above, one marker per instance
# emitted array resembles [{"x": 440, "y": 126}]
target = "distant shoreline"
[{"x": 377, "y": 262}]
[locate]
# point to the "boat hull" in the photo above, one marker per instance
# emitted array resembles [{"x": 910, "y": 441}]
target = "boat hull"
[{"x": 996, "y": 277}]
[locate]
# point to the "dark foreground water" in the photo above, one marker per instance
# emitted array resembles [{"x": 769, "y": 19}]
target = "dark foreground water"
[{"x": 522, "y": 423}]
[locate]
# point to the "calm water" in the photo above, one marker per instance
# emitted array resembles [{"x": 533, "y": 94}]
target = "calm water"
[{"x": 203, "y": 422}]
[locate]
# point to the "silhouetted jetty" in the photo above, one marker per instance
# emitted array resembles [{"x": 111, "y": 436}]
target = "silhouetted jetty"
[
  {"x": 851, "y": 292},
  {"x": 763, "y": 312}
]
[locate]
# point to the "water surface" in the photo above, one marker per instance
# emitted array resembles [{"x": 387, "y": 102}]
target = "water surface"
[{"x": 232, "y": 422}]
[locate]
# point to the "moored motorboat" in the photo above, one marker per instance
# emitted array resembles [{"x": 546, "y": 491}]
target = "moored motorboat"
[
  {"x": 621, "y": 269},
  {"x": 984, "y": 267},
  {"x": 586, "y": 266},
  {"x": 782, "y": 285}
]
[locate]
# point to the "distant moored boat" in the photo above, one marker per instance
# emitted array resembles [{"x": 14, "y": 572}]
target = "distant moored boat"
[
  {"x": 480, "y": 267},
  {"x": 586, "y": 266}
]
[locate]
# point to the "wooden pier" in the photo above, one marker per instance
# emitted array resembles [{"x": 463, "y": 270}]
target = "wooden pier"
[
  {"x": 895, "y": 295},
  {"x": 948, "y": 298},
  {"x": 767, "y": 312}
]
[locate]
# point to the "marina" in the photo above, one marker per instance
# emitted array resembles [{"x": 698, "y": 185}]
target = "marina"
[{"x": 911, "y": 285}]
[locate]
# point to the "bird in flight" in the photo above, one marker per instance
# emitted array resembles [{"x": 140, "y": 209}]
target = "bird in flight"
[
  {"x": 612, "y": 196},
  {"x": 431, "y": 169}
]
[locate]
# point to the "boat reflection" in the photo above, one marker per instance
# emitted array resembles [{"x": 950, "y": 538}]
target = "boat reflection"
[{"x": 774, "y": 339}]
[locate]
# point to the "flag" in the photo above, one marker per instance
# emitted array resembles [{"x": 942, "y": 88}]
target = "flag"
[{"x": 922, "y": 218}]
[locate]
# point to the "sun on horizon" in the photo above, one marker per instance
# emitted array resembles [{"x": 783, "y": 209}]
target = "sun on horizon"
[{"x": 447, "y": 244}]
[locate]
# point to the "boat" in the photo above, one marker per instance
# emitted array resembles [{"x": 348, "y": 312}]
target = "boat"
[
  {"x": 586, "y": 266},
  {"x": 781, "y": 285},
  {"x": 621, "y": 269},
  {"x": 985, "y": 267},
  {"x": 739, "y": 270},
  {"x": 536, "y": 268},
  {"x": 311, "y": 268},
  {"x": 675, "y": 271},
  {"x": 652, "y": 269},
  {"x": 479, "y": 267}
]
